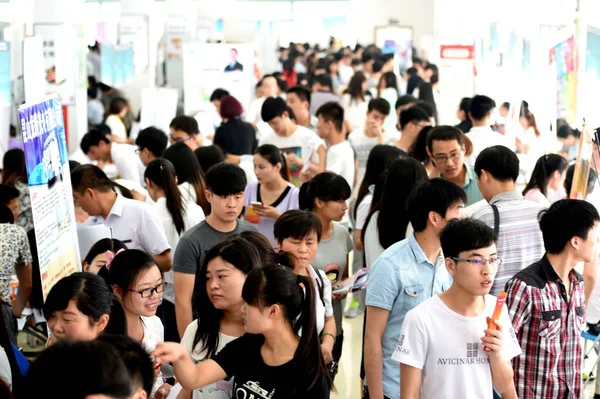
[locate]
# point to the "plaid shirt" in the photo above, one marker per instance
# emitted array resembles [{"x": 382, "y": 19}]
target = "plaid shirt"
[{"x": 548, "y": 326}]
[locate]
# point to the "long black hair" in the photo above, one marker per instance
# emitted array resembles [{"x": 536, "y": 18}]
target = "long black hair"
[
  {"x": 326, "y": 186},
  {"x": 162, "y": 173},
  {"x": 274, "y": 156},
  {"x": 418, "y": 150},
  {"x": 188, "y": 170},
  {"x": 244, "y": 256},
  {"x": 100, "y": 247},
  {"x": 277, "y": 284},
  {"x": 92, "y": 296},
  {"x": 544, "y": 168},
  {"x": 403, "y": 176},
  {"x": 380, "y": 159}
]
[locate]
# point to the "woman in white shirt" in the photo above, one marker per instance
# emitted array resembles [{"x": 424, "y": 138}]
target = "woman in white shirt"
[
  {"x": 219, "y": 303},
  {"x": 356, "y": 102},
  {"x": 177, "y": 214},
  {"x": 388, "y": 222},
  {"x": 530, "y": 140},
  {"x": 298, "y": 233},
  {"x": 116, "y": 112},
  {"x": 138, "y": 282}
]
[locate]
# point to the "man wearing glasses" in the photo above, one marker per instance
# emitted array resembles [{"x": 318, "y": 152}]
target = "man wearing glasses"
[
  {"x": 184, "y": 129},
  {"x": 445, "y": 147},
  {"x": 446, "y": 348}
]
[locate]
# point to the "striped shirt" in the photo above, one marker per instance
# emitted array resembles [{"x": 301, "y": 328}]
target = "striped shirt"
[{"x": 520, "y": 241}]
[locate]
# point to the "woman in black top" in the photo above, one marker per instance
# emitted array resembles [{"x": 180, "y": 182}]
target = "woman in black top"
[
  {"x": 271, "y": 360},
  {"x": 235, "y": 137}
]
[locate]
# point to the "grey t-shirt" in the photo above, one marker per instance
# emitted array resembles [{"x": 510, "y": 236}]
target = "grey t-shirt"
[
  {"x": 333, "y": 255},
  {"x": 193, "y": 245}
]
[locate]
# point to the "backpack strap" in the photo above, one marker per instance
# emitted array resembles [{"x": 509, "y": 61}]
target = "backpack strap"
[
  {"x": 321, "y": 285},
  {"x": 496, "y": 219}
]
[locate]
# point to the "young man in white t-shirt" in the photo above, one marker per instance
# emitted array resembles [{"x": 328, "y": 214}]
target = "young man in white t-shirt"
[
  {"x": 301, "y": 146},
  {"x": 445, "y": 347},
  {"x": 340, "y": 156},
  {"x": 363, "y": 140}
]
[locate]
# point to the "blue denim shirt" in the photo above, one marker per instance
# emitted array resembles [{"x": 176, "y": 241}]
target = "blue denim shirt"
[{"x": 399, "y": 280}]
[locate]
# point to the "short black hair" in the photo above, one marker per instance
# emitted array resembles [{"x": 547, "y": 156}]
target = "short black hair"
[
  {"x": 154, "y": 139},
  {"x": 427, "y": 107},
  {"x": 564, "y": 220},
  {"x": 591, "y": 183},
  {"x": 435, "y": 195},
  {"x": 7, "y": 193},
  {"x": 135, "y": 358},
  {"x": 445, "y": 133},
  {"x": 186, "y": 124},
  {"x": 500, "y": 162},
  {"x": 92, "y": 138},
  {"x": 326, "y": 186},
  {"x": 565, "y": 131},
  {"x": 414, "y": 115},
  {"x": 104, "y": 372},
  {"x": 380, "y": 105},
  {"x": 209, "y": 156},
  {"x": 6, "y": 215},
  {"x": 481, "y": 106},
  {"x": 297, "y": 224},
  {"x": 506, "y": 105},
  {"x": 405, "y": 100},
  {"x": 90, "y": 176},
  {"x": 463, "y": 235},
  {"x": 302, "y": 92},
  {"x": 92, "y": 92},
  {"x": 325, "y": 80},
  {"x": 378, "y": 65},
  {"x": 218, "y": 94},
  {"x": 225, "y": 179},
  {"x": 334, "y": 112},
  {"x": 465, "y": 105},
  {"x": 272, "y": 108}
]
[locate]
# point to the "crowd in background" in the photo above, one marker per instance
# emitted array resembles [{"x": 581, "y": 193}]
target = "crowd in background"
[{"x": 230, "y": 247}]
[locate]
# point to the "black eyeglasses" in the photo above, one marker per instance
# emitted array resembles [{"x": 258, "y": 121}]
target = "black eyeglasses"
[
  {"x": 480, "y": 262},
  {"x": 147, "y": 293}
]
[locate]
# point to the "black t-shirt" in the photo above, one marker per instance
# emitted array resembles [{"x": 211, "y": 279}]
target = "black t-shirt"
[
  {"x": 236, "y": 137},
  {"x": 253, "y": 379}
]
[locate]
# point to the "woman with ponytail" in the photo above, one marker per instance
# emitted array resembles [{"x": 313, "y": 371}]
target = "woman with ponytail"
[
  {"x": 178, "y": 214},
  {"x": 271, "y": 360},
  {"x": 325, "y": 196},
  {"x": 547, "y": 179},
  {"x": 81, "y": 306},
  {"x": 272, "y": 194}
]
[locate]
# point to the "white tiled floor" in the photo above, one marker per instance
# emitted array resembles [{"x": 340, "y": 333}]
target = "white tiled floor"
[{"x": 347, "y": 381}]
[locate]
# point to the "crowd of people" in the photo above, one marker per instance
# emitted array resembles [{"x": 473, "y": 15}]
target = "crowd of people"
[{"x": 226, "y": 273}]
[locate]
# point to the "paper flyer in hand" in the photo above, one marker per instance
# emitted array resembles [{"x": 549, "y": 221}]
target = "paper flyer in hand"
[{"x": 357, "y": 282}]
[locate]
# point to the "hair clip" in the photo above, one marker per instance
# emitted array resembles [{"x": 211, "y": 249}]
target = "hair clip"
[{"x": 110, "y": 257}]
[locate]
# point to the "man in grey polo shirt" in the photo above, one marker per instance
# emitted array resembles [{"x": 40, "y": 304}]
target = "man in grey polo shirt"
[
  {"x": 225, "y": 185},
  {"x": 520, "y": 241}
]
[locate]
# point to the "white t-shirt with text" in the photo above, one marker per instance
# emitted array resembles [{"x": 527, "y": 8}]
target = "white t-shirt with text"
[
  {"x": 362, "y": 146},
  {"x": 447, "y": 348},
  {"x": 340, "y": 160}
]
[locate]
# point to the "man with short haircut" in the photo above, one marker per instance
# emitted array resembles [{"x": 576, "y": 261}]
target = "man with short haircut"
[
  {"x": 481, "y": 134},
  {"x": 97, "y": 146},
  {"x": 406, "y": 274},
  {"x": 445, "y": 148},
  {"x": 9, "y": 197},
  {"x": 520, "y": 241},
  {"x": 471, "y": 359},
  {"x": 184, "y": 129},
  {"x": 134, "y": 223},
  {"x": 363, "y": 140},
  {"x": 547, "y": 306},
  {"x": 340, "y": 156},
  {"x": 412, "y": 121},
  {"x": 151, "y": 143},
  {"x": 322, "y": 93},
  {"x": 298, "y": 99},
  {"x": 301, "y": 146},
  {"x": 225, "y": 185},
  {"x": 403, "y": 103}
]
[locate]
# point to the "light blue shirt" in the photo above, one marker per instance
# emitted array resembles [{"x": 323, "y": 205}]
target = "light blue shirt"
[{"x": 400, "y": 279}]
